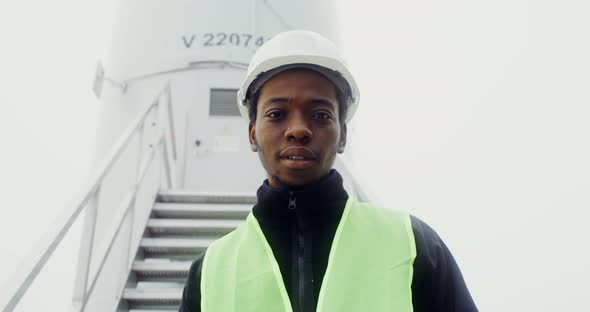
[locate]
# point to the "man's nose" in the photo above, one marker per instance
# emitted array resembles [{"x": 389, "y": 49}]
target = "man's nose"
[{"x": 298, "y": 129}]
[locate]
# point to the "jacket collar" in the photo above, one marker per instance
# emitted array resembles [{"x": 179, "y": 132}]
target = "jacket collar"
[{"x": 316, "y": 203}]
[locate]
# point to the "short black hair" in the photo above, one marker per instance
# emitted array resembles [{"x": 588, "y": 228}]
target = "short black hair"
[{"x": 343, "y": 103}]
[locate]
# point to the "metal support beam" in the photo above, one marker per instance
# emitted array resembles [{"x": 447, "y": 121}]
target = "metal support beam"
[{"x": 86, "y": 250}]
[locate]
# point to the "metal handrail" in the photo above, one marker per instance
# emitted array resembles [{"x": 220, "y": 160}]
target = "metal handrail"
[
  {"x": 127, "y": 204},
  {"x": 32, "y": 265},
  {"x": 203, "y": 64}
]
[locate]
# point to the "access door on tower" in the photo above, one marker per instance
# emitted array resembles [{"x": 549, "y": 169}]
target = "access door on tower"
[{"x": 217, "y": 155}]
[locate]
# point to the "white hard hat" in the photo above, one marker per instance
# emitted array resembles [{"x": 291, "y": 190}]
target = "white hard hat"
[{"x": 298, "y": 49}]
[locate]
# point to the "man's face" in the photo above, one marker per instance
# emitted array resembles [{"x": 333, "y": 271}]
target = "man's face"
[{"x": 297, "y": 132}]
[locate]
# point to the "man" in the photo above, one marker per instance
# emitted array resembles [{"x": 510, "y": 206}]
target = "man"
[{"x": 307, "y": 246}]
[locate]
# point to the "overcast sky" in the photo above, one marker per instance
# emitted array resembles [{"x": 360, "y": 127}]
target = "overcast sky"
[{"x": 474, "y": 117}]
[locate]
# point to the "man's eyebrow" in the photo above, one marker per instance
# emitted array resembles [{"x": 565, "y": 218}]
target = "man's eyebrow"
[
  {"x": 317, "y": 101},
  {"x": 324, "y": 102},
  {"x": 276, "y": 99}
]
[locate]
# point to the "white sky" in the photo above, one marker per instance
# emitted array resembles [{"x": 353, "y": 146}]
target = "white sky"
[{"x": 474, "y": 117}]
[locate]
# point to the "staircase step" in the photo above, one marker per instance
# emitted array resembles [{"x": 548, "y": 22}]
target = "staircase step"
[
  {"x": 192, "y": 227},
  {"x": 182, "y": 225},
  {"x": 163, "y": 269},
  {"x": 201, "y": 211},
  {"x": 184, "y": 196},
  {"x": 153, "y": 295},
  {"x": 162, "y": 247},
  {"x": 151, "y": 310}
]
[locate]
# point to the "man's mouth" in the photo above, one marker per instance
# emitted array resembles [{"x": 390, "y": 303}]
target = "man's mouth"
[
  {"x": 298, "y": 153},
  {"x": 298, "y": 157}
]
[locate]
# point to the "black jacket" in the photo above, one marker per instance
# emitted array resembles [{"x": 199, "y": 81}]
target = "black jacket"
[{"x": 299, "y": 225}]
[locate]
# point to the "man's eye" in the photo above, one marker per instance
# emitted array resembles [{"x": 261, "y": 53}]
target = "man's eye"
[
  {"x": 322, "y": 116},
  {"x": 274, "y": 114}
]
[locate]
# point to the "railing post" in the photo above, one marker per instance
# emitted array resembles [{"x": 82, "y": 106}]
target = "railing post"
[
  {"x": 156, "y": 144},
  {"x": 140, "y": 152},
  {"x": 168, "y": 162},
  {"x": 85, "y": 254},
  {"x": 171, "y": 124},
  {"x": 136, "y": 183},
  {"x": 168, "y": 148},
  {"x": 131, "y": 216}
]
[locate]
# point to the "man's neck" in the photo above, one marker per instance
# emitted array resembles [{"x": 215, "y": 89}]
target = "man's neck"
[{"x": 279, "y": 185}]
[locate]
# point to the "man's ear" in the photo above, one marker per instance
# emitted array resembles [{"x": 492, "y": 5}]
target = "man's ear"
[
  {"x": 252, "y": 137},
  {"x": 342, "y": 143}
]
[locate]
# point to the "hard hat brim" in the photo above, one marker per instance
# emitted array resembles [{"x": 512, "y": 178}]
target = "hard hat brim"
[{"x": 299, "y": 61}]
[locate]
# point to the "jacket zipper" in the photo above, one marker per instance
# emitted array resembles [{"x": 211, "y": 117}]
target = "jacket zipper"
[{"x": 300, "y": 253}]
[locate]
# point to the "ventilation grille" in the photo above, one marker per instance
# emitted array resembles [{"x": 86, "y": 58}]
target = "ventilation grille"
[{"x": 223, "y": 102}]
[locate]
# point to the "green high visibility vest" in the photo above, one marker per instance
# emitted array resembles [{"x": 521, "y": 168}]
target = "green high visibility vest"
[{"x": 370, "y": 267}]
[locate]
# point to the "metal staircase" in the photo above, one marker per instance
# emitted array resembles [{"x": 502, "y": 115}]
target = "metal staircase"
[{"x": 181, "y": 226}]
